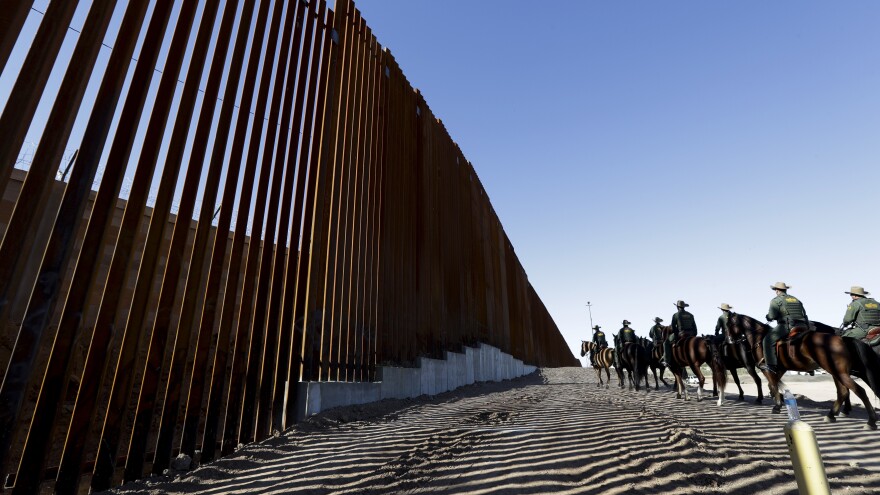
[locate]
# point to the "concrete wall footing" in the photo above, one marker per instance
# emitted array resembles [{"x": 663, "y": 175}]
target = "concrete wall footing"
[{"x": 483, "y": 363}]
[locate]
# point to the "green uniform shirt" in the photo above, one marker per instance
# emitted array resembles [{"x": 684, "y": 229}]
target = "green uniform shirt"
[
  {"x": 721, "y": 326},
  {"x": 599, "y": 339},
  {"x": 627, "y": 334},
  {"x": 787, "y": 311},
  {"x": 656, "y": 332},
  {"x": 683, "y": 322},
  {"x": 864, "y": 312}
]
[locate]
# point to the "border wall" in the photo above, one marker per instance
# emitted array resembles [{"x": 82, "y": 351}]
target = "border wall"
[{"x": 255, "y": 197}]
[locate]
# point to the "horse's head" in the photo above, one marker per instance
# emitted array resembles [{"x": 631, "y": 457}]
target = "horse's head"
[
  {"x": 616, "y": 339},
  {"x": 665, "y": 331},
  {"x": 585, "y": 346},
  {"x": 742, "y": 326},
  {"x": 823, "y": 328}
]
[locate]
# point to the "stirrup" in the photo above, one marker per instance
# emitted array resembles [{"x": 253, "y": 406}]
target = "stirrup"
[{"x": 763, "y": 366}]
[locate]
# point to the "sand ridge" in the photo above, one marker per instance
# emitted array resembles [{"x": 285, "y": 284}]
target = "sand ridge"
[{"x": 550, "y": 432}]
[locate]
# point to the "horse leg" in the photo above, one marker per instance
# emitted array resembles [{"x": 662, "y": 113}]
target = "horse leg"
[
  {"x": 714, "y": 389},
  {"x": 851, "y": 384},
  {"x": 607, "y": 377},
  {"x": 701, "y": 381},
  {"x": 842, "y": 394},
  {"x": 847, "y": 406},
  {"x": 773, "y": 386},
  {"x": 738, "y": 385},
  {"x": 680, "y": 375},
  {"x": 656, "y": 383},
  {"x": 662, "y": 371},
  {"x": 750, "y": 368},
  {"x": 677, "y": 385},
  {"x": 723, "y": 387}
]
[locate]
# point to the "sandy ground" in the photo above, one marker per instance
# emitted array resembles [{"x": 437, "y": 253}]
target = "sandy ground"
[{"x": 554, "y": 431}]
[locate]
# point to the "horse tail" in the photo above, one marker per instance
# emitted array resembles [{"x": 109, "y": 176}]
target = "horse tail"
[
  {"x": 865, "y": 363},
  {"x": 716, "y": 363},
  {"x": 643, "y": 361}
]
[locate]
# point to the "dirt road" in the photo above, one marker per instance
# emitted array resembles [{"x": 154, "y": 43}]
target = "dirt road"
[{"x": 550, "y": 432}]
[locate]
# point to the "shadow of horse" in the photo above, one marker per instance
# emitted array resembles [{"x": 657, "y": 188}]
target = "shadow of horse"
[{"x": 809, "y": 351}]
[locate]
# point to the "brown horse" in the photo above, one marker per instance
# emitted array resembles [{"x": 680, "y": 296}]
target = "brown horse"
[
  {"x": 692, "y": 352},
  {"x": 809, "y": 352},
  {"x": 602, "y": 360}
]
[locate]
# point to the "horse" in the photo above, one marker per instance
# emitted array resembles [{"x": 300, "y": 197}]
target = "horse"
[
  {"x": 692, "y": 352},
  {"x": 808, "y": 352},
  {"x": 602, "y": 359},
  {"x": 634, "y": 359},
  {"x": 735, "y": 355},
  {"x": 867, "y": 359},
  {"x": 655, "y": 354}
]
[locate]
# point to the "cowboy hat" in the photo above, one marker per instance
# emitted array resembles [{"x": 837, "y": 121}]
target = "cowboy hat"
[
  {"x": 725, "y": 307},
  {"x": 658, "y": 319},
  {"x": 626, "y": 322},
  {"x": 780, "y": 286},
  {"x": 596, "y": 327},
  {"x": 855, "y": 290},
  {"x": 681, "y": 304}
]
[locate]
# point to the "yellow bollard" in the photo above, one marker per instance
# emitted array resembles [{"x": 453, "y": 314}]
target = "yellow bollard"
[{"x": 804, "y": 450}]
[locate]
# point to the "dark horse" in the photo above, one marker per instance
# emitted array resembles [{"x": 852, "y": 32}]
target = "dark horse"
[
  {"x": 735, "y": 355},
  {"x": 808, "y": 352},
  {"x": 655, "y": 354},
  {"x": 692, "y": 352},
  {"x": 634, "y": 359},
  {"x": 602, "y": 360}
]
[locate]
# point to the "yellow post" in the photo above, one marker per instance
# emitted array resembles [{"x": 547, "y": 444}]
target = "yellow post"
[{"x": 806, "y": 459}]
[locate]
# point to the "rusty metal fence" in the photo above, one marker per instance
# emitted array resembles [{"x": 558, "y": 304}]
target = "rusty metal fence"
[{"x": 339, "y": 228}]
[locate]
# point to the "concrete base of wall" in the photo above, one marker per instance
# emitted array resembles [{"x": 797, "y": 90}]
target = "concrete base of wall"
[{"x": 483, "y": 363}]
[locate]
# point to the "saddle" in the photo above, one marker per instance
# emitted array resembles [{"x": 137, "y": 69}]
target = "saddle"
[
  {"x": 793, "y": 339},
  {"x": 873, "y": 337}
]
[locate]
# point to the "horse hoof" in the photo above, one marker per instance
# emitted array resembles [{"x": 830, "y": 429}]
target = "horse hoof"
[
  {"x": 759, "y": 401},
  {"x": 830, "y": 419},
  {"x": 845, "y": 413},
  {"x": 870, "y": 426},
  {"x": 777, "y": 409}
]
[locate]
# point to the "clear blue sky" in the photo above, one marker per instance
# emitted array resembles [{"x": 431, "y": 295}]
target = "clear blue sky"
[{"x": 642, "y": 152}]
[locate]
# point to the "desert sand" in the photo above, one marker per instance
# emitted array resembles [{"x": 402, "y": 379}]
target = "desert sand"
[{"x": 553, "y": 431}]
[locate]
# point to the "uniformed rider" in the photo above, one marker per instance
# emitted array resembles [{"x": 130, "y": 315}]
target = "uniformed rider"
[
  {"x": 788, "y": 312},
  {"x": 656, "y": 332},
  {"x": 862, "y": 314},
  {"x": 599, "y": 338},
  {"x": 721, "y": 325},
  {"x": 626, "y": 334},
  {"x": 683, "y": 324}
]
